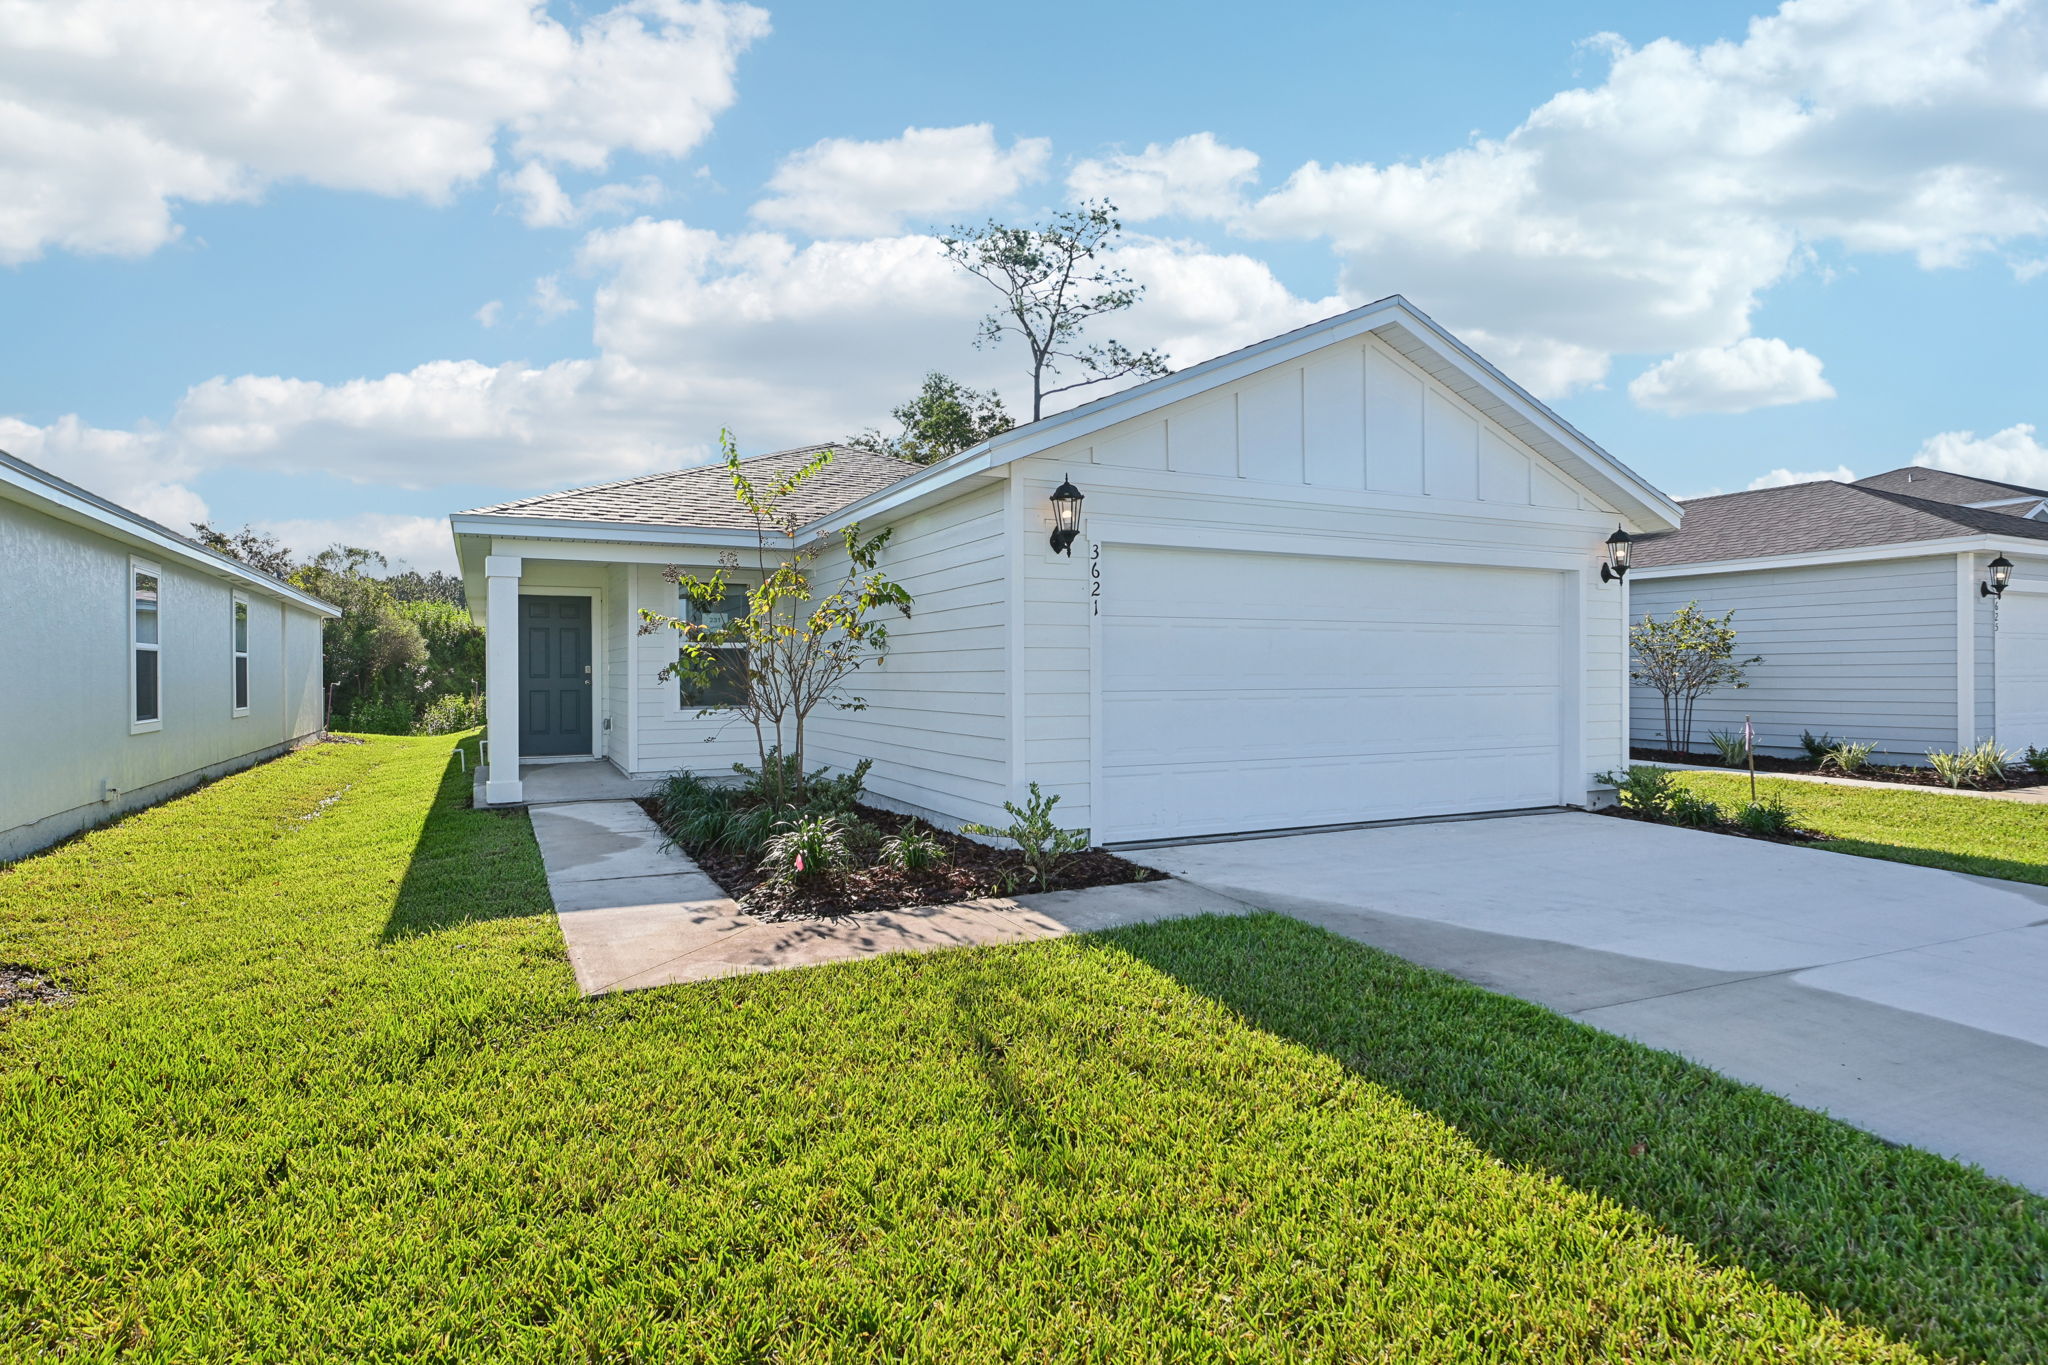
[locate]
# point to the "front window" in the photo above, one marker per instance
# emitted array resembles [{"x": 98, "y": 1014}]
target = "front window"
[
  {"x": 241, "y": 648},
  {"x": 728, "y": 684},
  {"x": 145, "y": 638}
]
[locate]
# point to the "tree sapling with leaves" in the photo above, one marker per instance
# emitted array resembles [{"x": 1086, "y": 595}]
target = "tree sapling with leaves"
[
  {"x": 1683, "y": 657},
  {"x": 797, "y": 640}
]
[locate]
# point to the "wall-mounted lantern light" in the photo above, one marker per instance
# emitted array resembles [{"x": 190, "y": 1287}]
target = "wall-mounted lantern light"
[
  {"x": 1066, "y": 517},
  {"x": 1616, "y": 567},
  {"x": 2001, "y": 578}
]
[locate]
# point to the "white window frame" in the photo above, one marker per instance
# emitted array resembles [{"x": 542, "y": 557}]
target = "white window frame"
[
  {"x": 137, "y": 567},
  {"x": 689, "y": 612},
  {"x": 241, "y": 685}
]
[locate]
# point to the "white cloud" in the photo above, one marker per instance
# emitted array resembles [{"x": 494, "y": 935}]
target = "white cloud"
[
  {"x": 488, "y": 315},
  {"x": 114, "y": 111},
  {"x": 843, "y": 188},
  {"x": 544, "y": 203},
  {"x": 1785, "y": 478},
  {"x": 784, "y": 342},
  {"x": 1646, "y": 214},
  {"x": 2014, "y": 455},
  {"x": 422, "y": 543},
  {"x": 1196, "y": 176},
  {"x": 1756, "y": 372},
  {"x": 549, "y": 300}
]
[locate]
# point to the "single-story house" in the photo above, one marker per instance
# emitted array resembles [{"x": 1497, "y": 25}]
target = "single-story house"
[
  {"x": 146, "y": 662},
  {"x": 1874, "y": 607},
  {"x": 1350, "y": 573}
]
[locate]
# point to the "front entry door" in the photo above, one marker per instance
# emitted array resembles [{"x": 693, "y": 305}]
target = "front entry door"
[{"x": 554, "y": 676}]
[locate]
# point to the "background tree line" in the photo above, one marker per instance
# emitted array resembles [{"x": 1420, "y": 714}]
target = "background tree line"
[{"x": 404, "y": 658}]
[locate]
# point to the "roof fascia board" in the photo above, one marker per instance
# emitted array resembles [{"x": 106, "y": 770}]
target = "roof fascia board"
[
  {"x": 606, "y": 532},
  {"x": 1911, "y": 549},
  {"x": 60, "y": 502}
]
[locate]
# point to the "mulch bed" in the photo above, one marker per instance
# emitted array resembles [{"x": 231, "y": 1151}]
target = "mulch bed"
[
  {"x": 1792, "y": 836},
  {"x": 972, "y": 871},
  {"x": 26, "y": 986},
  {"x": 2015, "y": 778}
]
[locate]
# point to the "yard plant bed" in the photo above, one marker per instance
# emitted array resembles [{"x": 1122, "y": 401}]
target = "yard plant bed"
[
  {"x": 2015, "y": 777},
  {"x": 1790, "y": 836},
  {"x": 330, "y": 1093},
  {"x": 971, "y": 871}
]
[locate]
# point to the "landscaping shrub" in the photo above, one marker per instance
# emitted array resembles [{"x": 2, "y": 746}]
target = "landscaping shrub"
[
  {"x": 1847, "y": 758},
  {"x": 1643, "y": 789},
  {"x": 1953, "y": 768},
  {"x": 810, "y": 848},
  {"x": 1733, "y": 744},
  {"x": 1767, "y": 815},
  {"x": 447, "y": 714},
  {"x": 1032, "y": 830},
  {"x": 913, "y": 850},
  {"x": 2037, "y": 759},
  {"x": 1817, "y": 746},
  {"x": 1987, "y": 762},
  {"x": 1696, "y": 812},
  {"x": 377, "y": 715}
]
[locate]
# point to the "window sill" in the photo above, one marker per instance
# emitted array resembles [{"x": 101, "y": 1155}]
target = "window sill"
[
  {"x": 241, "y": 714},
  {"x": 144, "y": 727}
]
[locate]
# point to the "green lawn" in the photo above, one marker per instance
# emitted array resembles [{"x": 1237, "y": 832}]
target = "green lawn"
[
  {"x": 328, "y": 1092},
  {"x": 1936, "y": 829}
]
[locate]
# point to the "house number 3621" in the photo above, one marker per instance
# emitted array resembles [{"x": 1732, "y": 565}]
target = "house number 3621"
[{"x": 1095, "y": 580}]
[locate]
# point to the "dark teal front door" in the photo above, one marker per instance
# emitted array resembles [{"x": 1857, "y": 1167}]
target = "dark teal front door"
[{"x": 554, "y": 675}]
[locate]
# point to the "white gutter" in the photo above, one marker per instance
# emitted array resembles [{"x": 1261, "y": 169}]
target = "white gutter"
[{"x": 1915, "y": 549}]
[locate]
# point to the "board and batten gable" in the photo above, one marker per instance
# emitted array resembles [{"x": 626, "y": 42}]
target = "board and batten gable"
[
  {"x": 1349, "y": 451},
  {"x": 68, "y": 752},
  {"x": 1864, "y": 651}
]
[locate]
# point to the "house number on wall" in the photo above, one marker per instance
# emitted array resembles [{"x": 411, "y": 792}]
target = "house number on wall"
[{"x": 1094, "y": 579}]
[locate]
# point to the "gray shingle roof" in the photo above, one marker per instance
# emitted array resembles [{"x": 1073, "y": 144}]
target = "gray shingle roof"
[
  {"x": 1808, "y": 517},
  {"x": 703, "y": 496},
  {"x": 1939, "y": 485}
]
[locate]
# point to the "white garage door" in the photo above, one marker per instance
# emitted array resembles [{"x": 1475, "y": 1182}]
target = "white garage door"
[
  {"x": 1247, "y": 692},
  {"x": 2022, "y": 680}
]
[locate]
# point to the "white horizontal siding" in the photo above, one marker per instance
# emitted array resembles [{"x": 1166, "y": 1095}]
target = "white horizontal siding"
[
  {"x": 64, "y": 721},
  {"x": 936, "y": 719},
  {"x": 1865, "y": 652}
]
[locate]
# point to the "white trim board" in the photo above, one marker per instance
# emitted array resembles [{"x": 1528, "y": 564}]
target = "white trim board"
[{"x": 1912, "y": 549}]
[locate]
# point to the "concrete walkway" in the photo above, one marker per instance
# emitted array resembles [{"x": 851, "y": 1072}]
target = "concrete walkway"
[
  {"x": 636, "y": 914},
  {"x": 1908, "y": 1001}
]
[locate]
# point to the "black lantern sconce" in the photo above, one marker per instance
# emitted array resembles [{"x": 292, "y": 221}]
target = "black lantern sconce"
[
  {"x": 1616, "y": 567},
  {"x": 2001, "y": 578},
  {"x": 1066, "y": 517}
]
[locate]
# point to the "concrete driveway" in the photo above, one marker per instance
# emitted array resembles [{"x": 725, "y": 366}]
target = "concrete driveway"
[{"x": 1910, "y": 1002}]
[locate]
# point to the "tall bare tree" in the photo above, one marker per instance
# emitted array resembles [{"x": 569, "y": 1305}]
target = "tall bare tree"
[{"x": 1054, "y": 283}]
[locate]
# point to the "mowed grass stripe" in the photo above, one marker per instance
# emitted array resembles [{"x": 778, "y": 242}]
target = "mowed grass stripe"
[
  {"x": 1980, "y": 835},
  {"x": 330, "y": 1093}
]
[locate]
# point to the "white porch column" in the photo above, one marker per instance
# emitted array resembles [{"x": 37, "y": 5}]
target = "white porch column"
[{"x": 501, "y": 678}]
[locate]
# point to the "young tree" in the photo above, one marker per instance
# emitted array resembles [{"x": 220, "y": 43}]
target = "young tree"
[
  {"x": 944, "y": 419},
  {"x": 1681, "y": 659},
  {"x": 798, "y": 639},
  {"x": 373, "y": 653},
  {"x": 1053, "y": 284}
]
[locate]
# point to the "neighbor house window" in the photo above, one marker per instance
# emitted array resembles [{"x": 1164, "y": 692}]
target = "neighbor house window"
[
  {"x": 145, "y": 639},
  {"x": 728, "y": 684},
  {"x": 241, "y": 648}
]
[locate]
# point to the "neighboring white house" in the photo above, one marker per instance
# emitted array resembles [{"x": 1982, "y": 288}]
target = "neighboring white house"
[
  {"x": 141, "y": 662},
  {"x": 1866, "y": 601},
  {"x": 1350, "y": 573}
]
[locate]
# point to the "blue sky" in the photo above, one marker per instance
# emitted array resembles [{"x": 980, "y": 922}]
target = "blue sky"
[{"x": 305, "y": 277}]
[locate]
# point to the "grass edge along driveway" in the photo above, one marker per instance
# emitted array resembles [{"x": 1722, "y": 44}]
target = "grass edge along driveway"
[
  {"x": 1980, "y": 835},
  {"x": 329, "y": 1092}
]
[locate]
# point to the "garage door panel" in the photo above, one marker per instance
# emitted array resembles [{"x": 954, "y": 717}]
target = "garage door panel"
[
  {"x": 1210, "y": 729},
  {"x": 1247, "y": 691},
  {"x": 1149, "y": 656},
  {"x": 2022, "y": 678}
]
